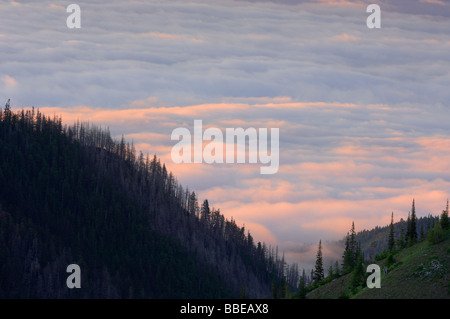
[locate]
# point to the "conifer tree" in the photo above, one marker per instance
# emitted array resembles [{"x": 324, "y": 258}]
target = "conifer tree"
[
  {"x": 350, "y": 255},
  {"x": 408, "y": 227},
  {"x": 331, "y": 271},
  {"x": 205, "y": 211},
  {"x": 391, "y": 243},
  {"x": 346, "y": 256},
  {"x": 282, "y": 289},
  {"x": 274, "y": 290},
  {"x": 422, "y": 233},
  {"x": 401, "y": 239},
  {"x": 318, "y": 270},
  {"x": 444, "y": 218},
  {"x": 413, "y": 234},
  {"x": 358, "y": 272},
  {"x": 336, "y": 269},
  {"x": 302, "y": 286}
]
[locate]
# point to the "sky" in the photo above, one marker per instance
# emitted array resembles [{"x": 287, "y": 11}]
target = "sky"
[{"x": 362, "y": 113}]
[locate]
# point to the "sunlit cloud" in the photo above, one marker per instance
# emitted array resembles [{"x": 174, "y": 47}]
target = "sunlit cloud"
[
  {"x": 361, "y": 113},
  {"x": 442, "y": 3},
  {"x": 9, "y": 80}
]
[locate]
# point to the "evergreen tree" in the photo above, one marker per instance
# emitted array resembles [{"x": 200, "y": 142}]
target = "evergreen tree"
[
  {"x": 205, "y": 211},
  {"x": 282, "y": 294},
  {"x": 336, "y": 269},
  {"x": 274, "y": 294},
  {"x": 302, "y": 286},
  {"x": 318, "y": 269},
  {"x": 429, "y": 219},
  {"x": 330, "y": 271},
  {"x": 391, "y": 243},
  {"x": 401, "y": 239},
  {"x": 347, "y": 255},
  {"x": 358, "y": 272},
  {"x": 444, "y": 218},
  {"x": 422, "y": 233},
  {"x": 413, "y": 234},
  {"x": 350, "y": 254},
  {"x": 408, "y": 228}
]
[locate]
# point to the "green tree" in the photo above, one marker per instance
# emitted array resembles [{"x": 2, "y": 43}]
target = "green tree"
[
  {"x": 318, "y": 269},
  {"x": 302, "y": 286},
  {"x": 444, "y": 218},
  {"x": 336, "y": 269},
  {"x": 274, "y": 294},
  {"x": 408, "y": 228},
  {"x": 330, "y": 271},
  {"x": 391, "y": 243},
  {"x": 413, "y": 230},
  {"x": 282, "y": 291},
  {"x": 350, "y": 256},
  {"x": 401, "y": 239},
  {"x": 358, "y": 272}
]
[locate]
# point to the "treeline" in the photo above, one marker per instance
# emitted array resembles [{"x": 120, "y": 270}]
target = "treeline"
[
  {"x": 392, "y": 238},
  {"x": 73, "y": 194}
]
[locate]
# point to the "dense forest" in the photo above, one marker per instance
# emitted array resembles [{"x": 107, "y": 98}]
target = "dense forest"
[{"x": 74, "y": 195}]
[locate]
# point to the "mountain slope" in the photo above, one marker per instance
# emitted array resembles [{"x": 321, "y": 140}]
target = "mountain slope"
[
  {"x": 422, "y": 271},
  {"x": 73, "y": 195}
]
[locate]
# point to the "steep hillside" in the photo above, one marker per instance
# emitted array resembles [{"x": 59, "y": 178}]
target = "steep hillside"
[
  {"x": 375, "y": 240},
  {"x": 420, "y": 271},
  {"x": 423, "y": 272},
  {"x": 73, "y": 195}
]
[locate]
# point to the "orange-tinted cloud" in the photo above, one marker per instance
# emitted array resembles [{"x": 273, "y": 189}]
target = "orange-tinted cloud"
[
  {"x": 345, "y": 37},
  {"x": 55, "y": 6},
  {"x": 442, "y": 3},
  {"x": 168, "y": 36},
  {"x": 9, "y": 81}
]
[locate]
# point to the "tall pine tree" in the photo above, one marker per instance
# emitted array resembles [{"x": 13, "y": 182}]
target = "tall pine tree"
[
  {"x": 444, "y": 218},
  {"x": 413, "y": 234},
  {"x": 391, "y": 242},
  {"x": 318, "y": 269},
  {"x": 302, "y": 286},
  {"x": 350, "y": 256}
]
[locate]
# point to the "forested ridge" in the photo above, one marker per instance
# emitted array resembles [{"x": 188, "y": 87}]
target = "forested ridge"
[{"x": 74, "y": 195}]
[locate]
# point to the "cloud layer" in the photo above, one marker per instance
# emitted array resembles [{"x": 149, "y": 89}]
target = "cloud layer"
[{"x": 361, "y": 112}]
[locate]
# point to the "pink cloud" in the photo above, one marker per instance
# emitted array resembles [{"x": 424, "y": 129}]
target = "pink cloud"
[
  {"x": 9, "y": 81},
  {"x": 442, "y": 3},
  {"x": 168, "y": 36},
  {"x": 55, "y": 6},
  {"x": 341, "y": 2},
  {"x": 345, "y": 38}
]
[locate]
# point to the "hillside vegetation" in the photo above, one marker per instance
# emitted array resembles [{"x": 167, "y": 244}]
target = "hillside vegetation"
[
  {"x": 73, "y": 195},
  {"x": 421, "y": 271}
]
